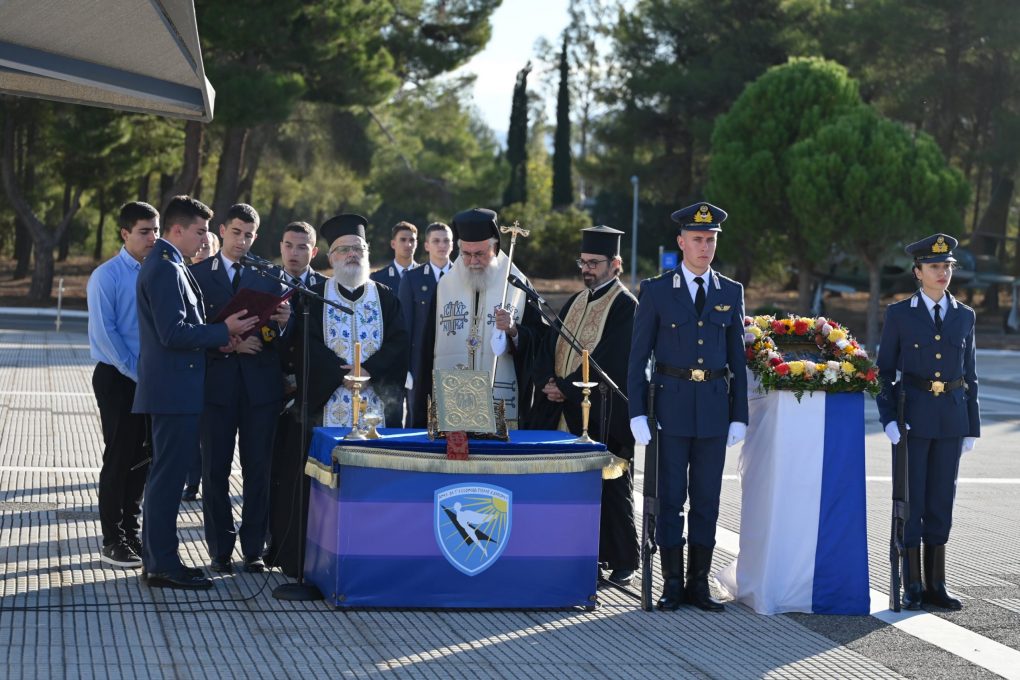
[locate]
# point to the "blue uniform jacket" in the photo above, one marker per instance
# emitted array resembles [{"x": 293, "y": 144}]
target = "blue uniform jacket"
[
  {"x": 172, "y": 335},
  {"x": 416, "y": 290},
  {"x": 667, "y": 326},
  {"x": 910, "y": 343},
  {"x": 259, "y": 375},
  {"x": 388, "y": 275}
]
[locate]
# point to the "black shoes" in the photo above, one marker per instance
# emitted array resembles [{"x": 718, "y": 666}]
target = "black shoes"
[
  {"x": 935, "y": 592},
  {"x": 135, "y": 544},
  {"x": 221, "y": 565},
  {"x": 254, "y": 565},
  {"x": 911, "y": 577},
  {"x": 183, "y": 579},
  {"x": 190, "y": 493},
  {"x": 697, "y": 579},
  {"x": 621, "y": 577},
  {"x": 120, "y": 555}
]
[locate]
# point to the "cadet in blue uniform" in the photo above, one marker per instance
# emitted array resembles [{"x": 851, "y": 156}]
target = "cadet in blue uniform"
[
  {"x": 416, "y": 291},
  {"x": 173, "y": 337},
  {"x": 692, "y": 320},
  {"x": 243, "y": 398},
  {"x": 403, "y": 241},
  {"x": 929, "y": 339}
]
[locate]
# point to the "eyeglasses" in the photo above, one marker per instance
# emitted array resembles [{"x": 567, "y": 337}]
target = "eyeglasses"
[
  {"x": 589, "y": 264},
  {"x": 475, "y": 256},
  {"x": 343, "y": 250}
]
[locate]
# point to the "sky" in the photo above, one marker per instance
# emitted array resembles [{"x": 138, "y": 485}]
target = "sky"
[{"x": 516, "y": 25}]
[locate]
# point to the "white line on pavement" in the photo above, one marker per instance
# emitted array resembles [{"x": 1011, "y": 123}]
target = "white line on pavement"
[
  {"x": 961, "y": 480},
  {"x": 957, "y": 640},
  {"x": 47, "y": 394}
]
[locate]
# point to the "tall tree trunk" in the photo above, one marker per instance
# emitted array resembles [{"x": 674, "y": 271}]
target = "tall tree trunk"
[
  {"x": 805, "y": 279},
  {"x": 65, "y": 238},
  {"x": 874, "y": 301},
  {"x": 22, "y": 236},
  {"x": 97, "y": 254},
  {"x": 991, "y": 230},
  {"x": 228, "y": 175},
  {"x": 191, "y": 168},
  {"x": 143, "y": 187},
  {"x": 252, "y": 155}
]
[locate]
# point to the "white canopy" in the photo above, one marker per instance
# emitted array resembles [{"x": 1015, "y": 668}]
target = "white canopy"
[{"x": 135, "y": 55}]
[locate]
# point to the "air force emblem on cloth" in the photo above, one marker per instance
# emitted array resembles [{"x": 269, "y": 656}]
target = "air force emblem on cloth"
[{"x": 472, "y": 524}]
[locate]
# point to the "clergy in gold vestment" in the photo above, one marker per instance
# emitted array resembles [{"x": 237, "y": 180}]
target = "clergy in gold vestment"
[{"x": 601, "y": 317}]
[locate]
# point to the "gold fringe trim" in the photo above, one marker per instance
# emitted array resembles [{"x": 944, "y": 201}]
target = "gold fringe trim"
[
  {"x": 413, "y": 461},
  {"x": 322, "y": 473}
]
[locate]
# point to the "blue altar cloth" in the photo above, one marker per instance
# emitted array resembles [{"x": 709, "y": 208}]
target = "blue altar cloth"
[{"x": 393, "y": 523}]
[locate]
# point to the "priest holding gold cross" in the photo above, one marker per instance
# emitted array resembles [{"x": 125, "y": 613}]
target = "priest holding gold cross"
[{"x": 470, "y": 326}]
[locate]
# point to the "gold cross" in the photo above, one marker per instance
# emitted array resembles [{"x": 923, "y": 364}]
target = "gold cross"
[{"x": 516, "y": 230}]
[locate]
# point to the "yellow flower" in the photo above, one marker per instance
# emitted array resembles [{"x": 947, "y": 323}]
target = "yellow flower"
[
  {"x": 788, "y": 323},
  {"x": 754, "y": 330},
  {"x": 848, "y": 368},
  {"x": 810, "y": 323},
  {"x": 837, "y": 334},
  {"x": 796, "y": 367},
  {"x": 761, "y": 322},
  {"x": 820, "y": 367}
]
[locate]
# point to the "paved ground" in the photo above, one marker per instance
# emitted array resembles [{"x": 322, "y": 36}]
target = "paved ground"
[{"x": 63, "y": 614}]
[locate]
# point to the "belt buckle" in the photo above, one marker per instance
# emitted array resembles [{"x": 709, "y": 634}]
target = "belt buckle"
[
  {"x": 937, "y": 387},
  {"x": 697, "y": 375}
]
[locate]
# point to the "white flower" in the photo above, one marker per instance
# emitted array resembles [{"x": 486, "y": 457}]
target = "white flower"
[{"x": 825, "y": 330}]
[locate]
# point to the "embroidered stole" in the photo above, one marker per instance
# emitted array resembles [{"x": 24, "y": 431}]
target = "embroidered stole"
[
  {"x": 466, "y": 320},
  {"x": 340, "y": 331},
  {"x": 586, "y": 321}
]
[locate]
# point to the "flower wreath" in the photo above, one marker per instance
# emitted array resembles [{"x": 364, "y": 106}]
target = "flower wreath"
[{"x": 842, "y": 365}]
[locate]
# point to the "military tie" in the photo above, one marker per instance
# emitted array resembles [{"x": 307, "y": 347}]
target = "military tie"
[
  {"x": 235, "y": 282},
  {"x": 699, "y": 297},
  {"x": 938, "y": 317}
]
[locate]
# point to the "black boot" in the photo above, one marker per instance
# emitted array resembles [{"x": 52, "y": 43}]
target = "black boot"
[
  {"x": 700, "y": 561},
  {"x": 673, "y": 577},
  {"x": 911, "y": 576},
  {"x": 935, "y": 579}
]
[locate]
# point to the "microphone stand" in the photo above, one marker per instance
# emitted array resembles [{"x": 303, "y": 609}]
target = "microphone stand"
[
  {"x": 300, "y": 591},
  {"x": 536, "y": 301}
]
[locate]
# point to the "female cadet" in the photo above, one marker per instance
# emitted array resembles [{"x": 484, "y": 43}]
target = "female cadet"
[{"x": 929, "y": 339}]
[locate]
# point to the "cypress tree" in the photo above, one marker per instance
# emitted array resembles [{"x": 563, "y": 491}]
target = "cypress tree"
[
  {"x": 517, "y": 141},
  {"x": 562, "y": 188}
]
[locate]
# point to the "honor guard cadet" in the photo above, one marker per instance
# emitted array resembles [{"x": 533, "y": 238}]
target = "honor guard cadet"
[
  {"x": 403, "y": 241},
  {"x": 929, "y": 339},
  {"x": 692, "y": 320}
]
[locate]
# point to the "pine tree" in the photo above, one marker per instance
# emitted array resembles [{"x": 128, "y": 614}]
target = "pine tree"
[
  {"x": 562, "y": 189},
  {"x": 517, "y": 141}
]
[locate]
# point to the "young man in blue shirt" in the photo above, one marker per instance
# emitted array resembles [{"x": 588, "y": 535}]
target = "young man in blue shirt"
[{"x": 113, "y": 343}]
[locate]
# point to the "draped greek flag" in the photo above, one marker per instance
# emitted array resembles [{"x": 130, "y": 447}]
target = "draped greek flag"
[{"x": 803, "y": 521}]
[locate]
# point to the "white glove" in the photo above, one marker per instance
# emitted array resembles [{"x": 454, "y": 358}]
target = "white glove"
[
  {"x": 639, "y": 428},
  {"x": 498, "y": 343},
  {"x": 968, "y": 444},
  {"x": 737, "y": 432},
  {"x": 892, "y": 431}
]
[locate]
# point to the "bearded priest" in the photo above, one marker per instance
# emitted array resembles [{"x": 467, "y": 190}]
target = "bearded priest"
[
  {"x": 466, "y": 329},
  {"x": 376, "y": 323}
]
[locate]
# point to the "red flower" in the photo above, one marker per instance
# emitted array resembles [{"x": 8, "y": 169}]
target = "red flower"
[
  {"x": 775, "y": 361},
  {"x": 819, "y": 339},
  {"x": 750, "y": 354},
  {"x": 800, "y": 327},
  {"x": 783, "y": 369},
  {"x": 779, "y": 328},
  {"x": 872, "y": 374}
]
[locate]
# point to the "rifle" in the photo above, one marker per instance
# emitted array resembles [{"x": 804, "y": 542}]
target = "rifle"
[
  {"x": 900, "y": 502},
  {"x": 651, "y": 505}
]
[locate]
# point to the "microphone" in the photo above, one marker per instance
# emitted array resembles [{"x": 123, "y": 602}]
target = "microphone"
[
  {"x": 528, "y": 290},
  {"x": 255, "y": 261}
]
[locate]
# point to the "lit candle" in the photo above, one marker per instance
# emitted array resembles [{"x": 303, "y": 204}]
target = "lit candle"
[
  {"x": 584, "y": 365},
  {"x": 357, "y": 360}
]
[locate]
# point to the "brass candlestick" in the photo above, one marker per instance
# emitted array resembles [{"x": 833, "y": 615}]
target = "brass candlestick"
[
  {"x": 356, "y": 403},
  {"x": 585, "y": 408}
]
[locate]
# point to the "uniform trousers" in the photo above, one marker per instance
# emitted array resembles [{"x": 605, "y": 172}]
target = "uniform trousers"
[
  {"x": 124, "y": 433},
  {"x": 618, "y": 543},
  {"x": 174, "y": 442},
  {"x": 689, "y": 466},
  {"x": 253, "y": 427},
  {"x": 932, "y": 468}
]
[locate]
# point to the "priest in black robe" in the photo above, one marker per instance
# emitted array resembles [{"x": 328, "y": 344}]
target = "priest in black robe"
[
  {"x": 601, "y": 318},
  {"x": 378, "y": 325},
  {"x": 467, "y": 327}
]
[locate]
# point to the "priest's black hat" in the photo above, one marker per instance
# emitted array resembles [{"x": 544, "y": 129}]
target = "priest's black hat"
[
  {"x": 601, "y": 240},
  {"x": 477, "y": 224},
  {"x": 347, "y": 224}
]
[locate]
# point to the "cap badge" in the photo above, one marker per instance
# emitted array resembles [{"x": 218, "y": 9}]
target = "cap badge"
[
  {"x": 703, "y": 216},
  {"x": 940, "y": 245}
]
